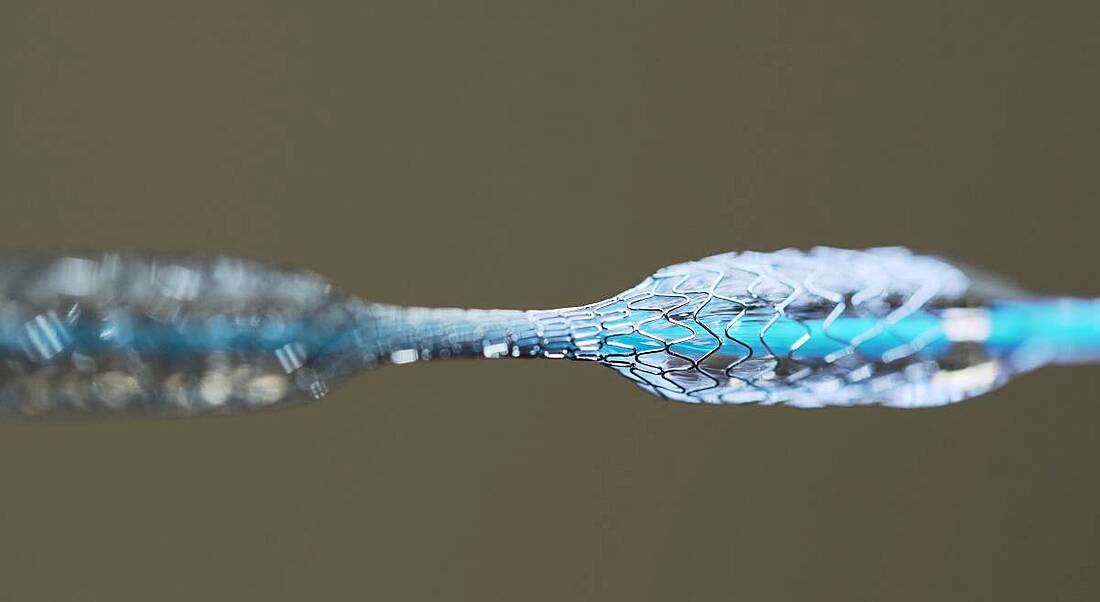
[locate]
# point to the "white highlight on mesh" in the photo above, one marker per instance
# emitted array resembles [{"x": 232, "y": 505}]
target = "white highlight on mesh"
[
  {"x": 495, "y": 350},
  {"x": 966, "y": 324},
  {"x": 74, "y": 276},
  {"x": 973, "y": 378},
  {"x": 291, "y": 356},
  {"x": 404, "y": 356}
]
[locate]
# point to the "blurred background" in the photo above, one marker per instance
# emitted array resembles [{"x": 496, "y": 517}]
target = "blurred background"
[{"x": 534, "y": 155}]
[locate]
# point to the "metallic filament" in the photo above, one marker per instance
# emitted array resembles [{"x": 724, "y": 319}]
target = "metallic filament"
[{"x": 805, "y": 328}]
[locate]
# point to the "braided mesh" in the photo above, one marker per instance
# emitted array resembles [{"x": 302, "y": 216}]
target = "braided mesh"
[
  {"x": 821, "y": 327},
  {"x": 805, "y": 328}
]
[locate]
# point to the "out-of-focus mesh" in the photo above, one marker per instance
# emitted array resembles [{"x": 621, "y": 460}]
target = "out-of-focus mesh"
[{"x": 129, "y": 334}]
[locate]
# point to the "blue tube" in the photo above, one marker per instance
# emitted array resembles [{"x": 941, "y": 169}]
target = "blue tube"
[{"x": 1064, "y": 330}]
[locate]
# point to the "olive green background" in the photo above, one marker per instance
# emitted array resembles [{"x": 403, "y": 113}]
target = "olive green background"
[{"x": 538, "y": 154}]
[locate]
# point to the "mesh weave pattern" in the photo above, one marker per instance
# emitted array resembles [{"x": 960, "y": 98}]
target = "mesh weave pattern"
[{"x": 822, "y": 327}]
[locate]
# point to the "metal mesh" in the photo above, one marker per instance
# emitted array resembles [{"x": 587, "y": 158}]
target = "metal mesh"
[
  {"x": 115, "y": 333},
  {"x": 823, "y": 327}
]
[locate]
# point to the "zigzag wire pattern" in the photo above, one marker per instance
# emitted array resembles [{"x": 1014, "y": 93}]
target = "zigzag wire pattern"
[{"x": 662, "y": 333}]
